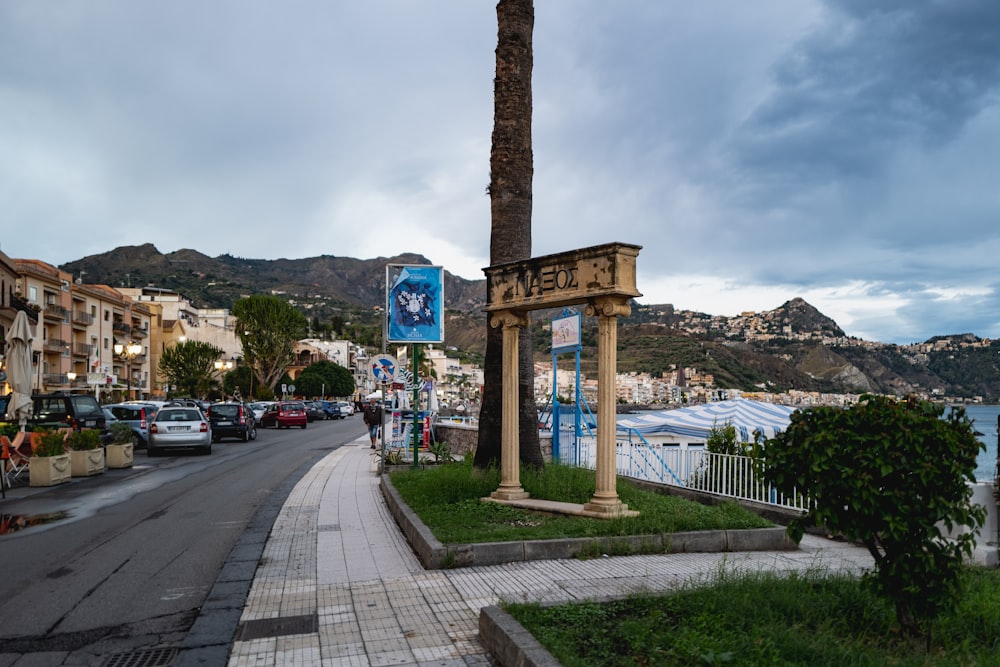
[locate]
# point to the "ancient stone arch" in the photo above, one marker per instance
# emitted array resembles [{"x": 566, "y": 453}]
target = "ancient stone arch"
[{"x": 603, "y": 278}]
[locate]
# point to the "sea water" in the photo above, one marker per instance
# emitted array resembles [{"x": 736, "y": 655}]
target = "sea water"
[{"x": 984, "y": 419}]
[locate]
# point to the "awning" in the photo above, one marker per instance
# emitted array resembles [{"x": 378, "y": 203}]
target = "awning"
[{"x": 697, "y": 421}]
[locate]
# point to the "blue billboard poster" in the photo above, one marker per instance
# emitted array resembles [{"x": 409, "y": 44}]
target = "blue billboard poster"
[{"x": 415, "y": 303}]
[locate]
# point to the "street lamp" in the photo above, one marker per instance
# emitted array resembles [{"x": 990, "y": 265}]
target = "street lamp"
[
  {"x": 71, "y": 376},
  {"x": 129, "y": 353},
  {"x": 223, "y": 367}
]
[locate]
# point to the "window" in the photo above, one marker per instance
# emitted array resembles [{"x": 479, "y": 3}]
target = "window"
[
  {"x": 107, "y": 315},
  {"x": 33, "y": 294}
]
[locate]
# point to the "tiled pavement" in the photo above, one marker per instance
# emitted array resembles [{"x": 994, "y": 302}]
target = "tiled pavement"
[{"x": 337, "y": 583}]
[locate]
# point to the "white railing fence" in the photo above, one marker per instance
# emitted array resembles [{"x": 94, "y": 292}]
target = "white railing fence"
[{"x": 690, "y": 467}]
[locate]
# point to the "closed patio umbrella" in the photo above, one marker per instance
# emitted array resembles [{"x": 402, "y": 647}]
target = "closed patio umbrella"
[{"x": 19, "y": 370}]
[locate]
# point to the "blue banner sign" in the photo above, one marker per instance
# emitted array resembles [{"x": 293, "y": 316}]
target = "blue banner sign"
[{"x": 415, "y": 303}]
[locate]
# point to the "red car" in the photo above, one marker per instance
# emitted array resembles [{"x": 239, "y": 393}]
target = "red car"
[{"x": 285, "y": 414}]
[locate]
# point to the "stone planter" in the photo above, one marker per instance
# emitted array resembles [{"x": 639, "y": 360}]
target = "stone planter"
[
  {"x": 86, "y": 462},
  {"x": 119, "y": 456},
  {"x": 48, "y": 470}
]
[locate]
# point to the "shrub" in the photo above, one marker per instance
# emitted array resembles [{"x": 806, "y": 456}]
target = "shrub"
[
  {"x": 46, "y": 442},
  {"x": 887, "y": 473},
  {"x": 121, "y": 433},
  {"x": 84, "y": 439}
]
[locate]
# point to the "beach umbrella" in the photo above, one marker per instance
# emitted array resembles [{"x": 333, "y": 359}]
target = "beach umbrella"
[{"x": 19, "y": 369}]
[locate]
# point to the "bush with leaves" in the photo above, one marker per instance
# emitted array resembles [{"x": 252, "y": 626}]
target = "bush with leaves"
[
  {"x": 121, "y": 433},
  {"x": 84, "y": 439},
  {"x": 48, "y": 442},
  {"x": 887, "y": 473}
]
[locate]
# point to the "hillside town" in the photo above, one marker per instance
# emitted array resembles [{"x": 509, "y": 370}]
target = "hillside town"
[{"x": 93, "y": 337}]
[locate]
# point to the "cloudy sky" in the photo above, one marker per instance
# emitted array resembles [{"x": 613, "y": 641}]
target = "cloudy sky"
[{"x": 843, "y": 151}]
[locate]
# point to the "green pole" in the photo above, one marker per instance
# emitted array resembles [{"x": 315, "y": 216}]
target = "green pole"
[{"x": 416, "y": 401}]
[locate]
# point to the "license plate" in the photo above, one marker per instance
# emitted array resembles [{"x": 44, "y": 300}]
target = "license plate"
[
  {"x": 90, "y": 423},
  {"x": 225, "y": 423},
  {"x": 177, "y": 428}
]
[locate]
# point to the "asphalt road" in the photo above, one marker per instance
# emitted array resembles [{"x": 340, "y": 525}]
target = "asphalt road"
[{"x": 122, "y": 561}]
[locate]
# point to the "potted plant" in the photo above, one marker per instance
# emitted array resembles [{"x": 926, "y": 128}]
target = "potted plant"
[
  {"x": 119, "y": 452},
  {"x": 86, "y": 455},
  {"x": 49, "y": 464}
]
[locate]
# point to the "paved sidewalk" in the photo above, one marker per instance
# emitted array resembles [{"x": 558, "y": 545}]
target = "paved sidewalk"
[{"x": 337, "y": 583}]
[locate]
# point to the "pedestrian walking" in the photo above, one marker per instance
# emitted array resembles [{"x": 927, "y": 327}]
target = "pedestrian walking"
[{"x": 373, "y": 419}]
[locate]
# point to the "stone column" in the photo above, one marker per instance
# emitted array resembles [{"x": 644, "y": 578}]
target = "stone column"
[
  {"x": 607, "y": 310},
  {"x": 510, "y": 454}
]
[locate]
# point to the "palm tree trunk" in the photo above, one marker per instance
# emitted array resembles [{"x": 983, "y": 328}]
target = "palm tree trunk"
[{"x": 511, "y": 172}]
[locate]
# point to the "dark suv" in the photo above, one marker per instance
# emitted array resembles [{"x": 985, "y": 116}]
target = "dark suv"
[
  {"x": 231, "y": 420},
  {"x": 61, "y": 410}
]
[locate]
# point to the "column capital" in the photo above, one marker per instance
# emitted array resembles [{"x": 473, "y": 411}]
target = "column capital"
[
  {"x": 609, "y": 306},
  {"x": 508, "y": 318}
]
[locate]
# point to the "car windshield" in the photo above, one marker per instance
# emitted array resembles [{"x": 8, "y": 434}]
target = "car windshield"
[
  {"x": 225, "y": 410},
  {"x": 179, "y": 415},
  {"x": 293, "y": 406}
]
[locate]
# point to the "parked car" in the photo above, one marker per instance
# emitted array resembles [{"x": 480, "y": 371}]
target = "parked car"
[
  {"x": 258, "y": 408},
  {"x": 346, "y": 408},
  {"x": 314, "y": 411},
  {"x": 285, "y": 414},
  {"x": 62, "y": 410},
  {"x": 232, "y": 420},
  {"x": 176, "y": 427},
  {"x": 330, "y": 410},
  {"x": 137, "y": 414}
]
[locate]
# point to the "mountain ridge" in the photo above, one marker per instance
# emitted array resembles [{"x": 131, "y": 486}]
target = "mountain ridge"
[{"x": 794, "y": 346}]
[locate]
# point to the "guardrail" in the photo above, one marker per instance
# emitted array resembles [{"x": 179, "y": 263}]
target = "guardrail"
[{"x": 690, "y": 467}]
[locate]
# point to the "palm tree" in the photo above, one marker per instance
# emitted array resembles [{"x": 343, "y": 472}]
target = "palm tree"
[{"x": 511, "y": 171}]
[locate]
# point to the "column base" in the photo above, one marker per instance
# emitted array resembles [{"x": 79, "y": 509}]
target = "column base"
[
  {"x": 510, "y": 493},
  {"x": 613, "y": 507}
]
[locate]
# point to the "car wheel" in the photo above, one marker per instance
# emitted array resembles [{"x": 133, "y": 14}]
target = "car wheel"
[
  {"x": 253, "y": 433},
  {"x": 152, "y": 451},
  {"x": 303, "y": 426},
  {"x": 136, "y": 441},
  {"x": 206, "y": 450}
]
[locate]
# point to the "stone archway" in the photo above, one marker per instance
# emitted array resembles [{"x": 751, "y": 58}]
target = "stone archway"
[{"x": 603, "y": 278}]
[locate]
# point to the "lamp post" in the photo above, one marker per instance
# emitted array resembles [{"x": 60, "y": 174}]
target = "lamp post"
[
  {"x": 221, "y": 367},
  {"x": 128, "y": 352},
  {"x": 71, "y": 376}
]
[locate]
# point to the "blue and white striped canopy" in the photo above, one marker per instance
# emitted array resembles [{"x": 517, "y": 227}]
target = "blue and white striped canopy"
[{"x": 696, "y": 421}]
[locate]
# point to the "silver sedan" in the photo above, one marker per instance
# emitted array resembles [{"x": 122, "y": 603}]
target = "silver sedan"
[{"x": 179, "y": 427}]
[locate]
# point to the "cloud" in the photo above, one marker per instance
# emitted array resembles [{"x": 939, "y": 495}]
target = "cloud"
[{"x": 838, "y": 150}]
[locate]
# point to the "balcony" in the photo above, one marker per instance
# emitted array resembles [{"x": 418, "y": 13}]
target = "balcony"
[
  {"x": 121, "y": 327},
  {"x": 55, "y": 312},
  {"x": 82, "y": 318},
  {"x": 138, "y": 332},
  {"x": 55, "y": 345},
  {"x": 54, "y": 378},
  {"x": 82, "y": 350},
  {"x": 17, "y": 303}
]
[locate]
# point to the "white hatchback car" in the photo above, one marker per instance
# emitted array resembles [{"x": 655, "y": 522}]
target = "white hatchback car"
[{"x": 179, "y": 427}]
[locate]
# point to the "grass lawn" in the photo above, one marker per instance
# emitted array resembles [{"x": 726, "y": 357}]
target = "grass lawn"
[
  {"x": 810, "y": 619},
  {"x": 447, "y": 499}
]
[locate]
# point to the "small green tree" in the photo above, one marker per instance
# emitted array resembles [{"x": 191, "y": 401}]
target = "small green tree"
[
  {"x": 190, "y": 366},
  {"x": 325, "y": 378},
  {"x": 268, "y": 328},
  {"x": 889, "y": 474}
]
